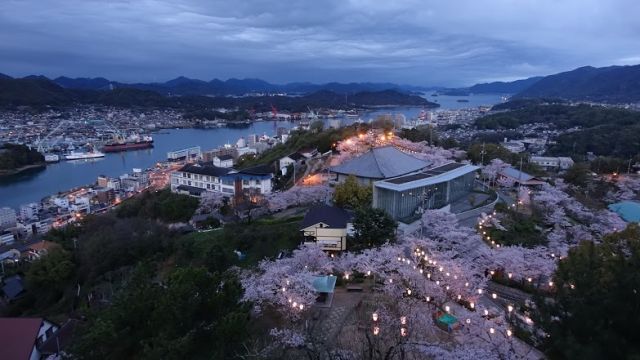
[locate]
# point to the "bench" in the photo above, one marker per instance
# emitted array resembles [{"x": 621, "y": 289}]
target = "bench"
[{"x": 352, "y": 288}]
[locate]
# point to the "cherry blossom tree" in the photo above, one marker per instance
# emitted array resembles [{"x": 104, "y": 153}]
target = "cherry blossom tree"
[
  {"x": 491, "y": 170},
  {"x": 298, "y": 195}
]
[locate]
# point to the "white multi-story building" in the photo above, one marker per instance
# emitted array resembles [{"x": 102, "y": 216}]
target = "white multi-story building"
[
  {"x": 29, "y": 211},
  {"x": 61, "y": 202},
  {"x": 8, "y": 218},
  {"x": 193, "y": 179},
  {"x": 81, "y": 204},
  {"x": 223, "y": 161}
]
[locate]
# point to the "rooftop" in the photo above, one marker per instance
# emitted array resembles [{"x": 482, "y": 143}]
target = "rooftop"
[
  {"x": 516, "y": 174},
  {"x": 426, "y": 174},
  {"x": 381, "y": 163},
  {"x": 13, "y": 287},
  {"x": 18, "y": 336},
  {"x": 296, "y": 156},
  {"x": 427, "y": 177},
  {"x": 333, "y": 216},
  {"x": 205, "y": 170}
]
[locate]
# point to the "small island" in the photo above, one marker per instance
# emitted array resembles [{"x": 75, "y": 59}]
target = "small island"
[{"x": 15, "y": 158}]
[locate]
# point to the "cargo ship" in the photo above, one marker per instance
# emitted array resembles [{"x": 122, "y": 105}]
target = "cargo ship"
[{"x": 134, "y": 142}]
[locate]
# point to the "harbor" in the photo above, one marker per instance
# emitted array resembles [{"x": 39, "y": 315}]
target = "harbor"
[{"x": 34, "y": 184}]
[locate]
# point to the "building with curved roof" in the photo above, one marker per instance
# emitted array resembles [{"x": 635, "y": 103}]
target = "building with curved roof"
[{"x": 378, "y": 164}]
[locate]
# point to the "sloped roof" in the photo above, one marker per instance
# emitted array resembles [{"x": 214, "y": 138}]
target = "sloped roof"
[
  {"x": 60, "y": 339},
  {"x": 18, "y": 336},
  {"x": 13, "y": 287},
  {"x": 381, "y": 163},
  {"x": 296, "y": 156},
  {"x": 43, "y": 245},
  {"x": 225, "y": 157},
  {"x": 628, "y": 210},
  {"x": 258, "y": 170},
  {"x": 335, "y": 217},
  {"x": 516, "y": 174},
  {"x": 205, "y": 170}
]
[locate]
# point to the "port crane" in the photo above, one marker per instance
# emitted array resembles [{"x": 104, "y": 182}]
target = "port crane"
[
  {"x": 312, "y": 114},
  {"x": 41, "y": 142}
]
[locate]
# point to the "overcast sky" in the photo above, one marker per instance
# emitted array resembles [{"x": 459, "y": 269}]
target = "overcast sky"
[{"x": 422, "y": 42}]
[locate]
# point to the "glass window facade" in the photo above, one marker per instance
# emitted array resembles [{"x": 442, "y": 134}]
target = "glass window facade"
[{"x": 406, "y": 205}]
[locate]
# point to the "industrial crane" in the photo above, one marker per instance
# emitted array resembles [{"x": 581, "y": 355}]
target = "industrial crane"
[{"x": 40, "y": 143}]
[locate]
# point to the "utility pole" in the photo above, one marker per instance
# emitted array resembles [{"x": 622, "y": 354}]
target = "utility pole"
[
  {"x": 430, "y": 134},
  {"x": 294, "y": 173},
  {"x": 519, "y": 182},
  {"x": 484, "y": 186}
]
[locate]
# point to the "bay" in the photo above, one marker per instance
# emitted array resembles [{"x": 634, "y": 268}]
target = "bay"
[{"x": 33, "y": 185}]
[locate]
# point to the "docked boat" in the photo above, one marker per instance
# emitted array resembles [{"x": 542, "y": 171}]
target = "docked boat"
[
  {"x": 133, "y": 142},
  {"x": 83, "y": 155},
  {"x": 51, "y": 158}
]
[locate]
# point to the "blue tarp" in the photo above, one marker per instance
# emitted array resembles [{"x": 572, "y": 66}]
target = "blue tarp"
[
  {"x": 324, "y": 284},
  {"x": 628, "y": 210}
]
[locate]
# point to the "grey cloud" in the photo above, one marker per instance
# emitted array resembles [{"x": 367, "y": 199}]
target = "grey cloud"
[{"x": 413, "y": 41}]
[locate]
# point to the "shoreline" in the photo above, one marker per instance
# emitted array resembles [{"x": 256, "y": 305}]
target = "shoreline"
[{"x": 4, "y": 173}]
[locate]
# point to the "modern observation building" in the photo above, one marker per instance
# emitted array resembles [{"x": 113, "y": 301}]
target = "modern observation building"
[
  {"x": 406, "y": 197},
  {"x": 405, "y": 186}
]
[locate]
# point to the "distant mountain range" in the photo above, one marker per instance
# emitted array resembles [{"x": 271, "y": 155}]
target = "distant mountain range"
[
  {"x": 186, "y": 86},
  {"x": 613, "y": 84},
  {"x": 620, "y": 84},
  {"x": 39, "y": 91},
  {"x": 501, "y": 87},
  {"x": 496, "y": 87}
]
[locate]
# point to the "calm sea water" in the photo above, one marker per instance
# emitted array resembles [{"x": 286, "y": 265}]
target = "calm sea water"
[{"x": 33, "y": 185}]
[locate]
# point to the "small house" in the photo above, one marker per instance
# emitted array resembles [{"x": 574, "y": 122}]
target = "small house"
[{"x": 328, "y": 226}]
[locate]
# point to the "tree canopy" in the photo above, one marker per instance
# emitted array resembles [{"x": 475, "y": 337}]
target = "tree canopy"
[
  {"x": 372, "y": 227},
  {"x": 350, "y": 194},
  {"x": 595, "y": 311},
  {"x": 163, "y": 205}
]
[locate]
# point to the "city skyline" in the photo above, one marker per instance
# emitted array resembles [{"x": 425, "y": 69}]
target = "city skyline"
[{"x": 415, "y": 43}]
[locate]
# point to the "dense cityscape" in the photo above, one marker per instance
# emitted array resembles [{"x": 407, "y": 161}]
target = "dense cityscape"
[{"x": 380, "y": 204}]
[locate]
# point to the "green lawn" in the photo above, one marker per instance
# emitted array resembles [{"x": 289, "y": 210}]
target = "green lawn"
[{"x": 264, "y": 238}]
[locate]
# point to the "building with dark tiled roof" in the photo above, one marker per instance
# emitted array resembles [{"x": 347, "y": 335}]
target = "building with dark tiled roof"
[
  {"x": 328, "y": 226},
  {"x": 194, "y": 179}
]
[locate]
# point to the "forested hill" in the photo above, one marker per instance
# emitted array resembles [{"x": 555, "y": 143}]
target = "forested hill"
[
  {"x": 502, "y": 87},
  {"x": 614, "y": 84},
  {"x": 13, "y": 157},
  {"x": 603, "y": 131},
  {"x": 39, "y": 91}
]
